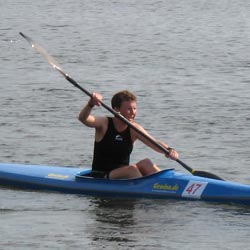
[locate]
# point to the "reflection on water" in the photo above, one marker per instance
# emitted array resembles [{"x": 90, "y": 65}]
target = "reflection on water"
[
  {"x": 114, "y": 221},
  {"x": 151, "y": 224}
]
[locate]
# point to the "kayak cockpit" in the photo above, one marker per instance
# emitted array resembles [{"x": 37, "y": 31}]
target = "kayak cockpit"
[{"x": 88, "y": 174}]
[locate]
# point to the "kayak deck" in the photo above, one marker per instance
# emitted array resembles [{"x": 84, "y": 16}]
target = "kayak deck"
[{"x": 164, "y": 185}]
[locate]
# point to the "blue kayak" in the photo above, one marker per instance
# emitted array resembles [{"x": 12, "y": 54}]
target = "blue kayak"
[{"x": 167, "y": 184}]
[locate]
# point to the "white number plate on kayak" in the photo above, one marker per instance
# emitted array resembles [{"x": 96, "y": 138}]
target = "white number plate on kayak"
[{"x": 194, "y": 189}]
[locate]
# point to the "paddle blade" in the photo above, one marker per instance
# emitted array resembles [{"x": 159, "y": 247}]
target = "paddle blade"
[
  {"x": 199, "y": 173},
  {"x": 53, "y": 62},
  {"x": 44, "y": 53},
  {"x": 206, "y": 175}
]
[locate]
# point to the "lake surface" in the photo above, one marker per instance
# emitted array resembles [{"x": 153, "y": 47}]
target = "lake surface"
[{"x": 189, "y": 64}]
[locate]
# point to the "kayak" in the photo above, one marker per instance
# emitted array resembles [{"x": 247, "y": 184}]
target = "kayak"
[{"x": 167, "y": 184}]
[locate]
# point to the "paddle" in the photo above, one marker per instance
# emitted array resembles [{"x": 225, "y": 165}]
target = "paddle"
[{"x": 56, "y": 66}]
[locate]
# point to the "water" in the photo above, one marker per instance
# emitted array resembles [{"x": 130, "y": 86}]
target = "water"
[{"x": 188, "y": 62}]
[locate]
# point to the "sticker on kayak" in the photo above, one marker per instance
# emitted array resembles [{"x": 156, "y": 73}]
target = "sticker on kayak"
[
  {"x": 165, "y": 187},
  {"x": 194, "y": 189},
  {"x": 57, "y": 176}
]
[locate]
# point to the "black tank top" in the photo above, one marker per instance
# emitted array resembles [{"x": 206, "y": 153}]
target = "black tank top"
[{"x": 113, "y": 151}]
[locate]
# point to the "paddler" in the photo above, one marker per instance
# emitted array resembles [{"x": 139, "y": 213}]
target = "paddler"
[{"x": 114, "y": 139}]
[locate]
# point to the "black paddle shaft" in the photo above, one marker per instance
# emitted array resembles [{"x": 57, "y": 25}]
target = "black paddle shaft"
[{"x": 117, "y": 114}]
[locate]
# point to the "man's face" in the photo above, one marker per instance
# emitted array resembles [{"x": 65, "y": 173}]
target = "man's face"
[{"x": 128, "y": 110}]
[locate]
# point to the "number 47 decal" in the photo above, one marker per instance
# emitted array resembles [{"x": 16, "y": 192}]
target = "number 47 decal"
[{"x": 194, "y": 189}]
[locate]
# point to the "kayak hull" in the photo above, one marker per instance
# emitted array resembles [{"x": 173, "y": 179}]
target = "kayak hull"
[{"x": 167, "y": 184}]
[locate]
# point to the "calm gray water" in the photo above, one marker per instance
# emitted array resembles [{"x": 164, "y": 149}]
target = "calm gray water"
[{"x": 189, "y": 63}]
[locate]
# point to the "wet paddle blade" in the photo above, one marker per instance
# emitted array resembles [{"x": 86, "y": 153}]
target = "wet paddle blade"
[{"x": 44, "y": 53}]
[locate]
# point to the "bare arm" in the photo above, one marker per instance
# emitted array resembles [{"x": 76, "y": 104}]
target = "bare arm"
[
  {"x": 85, "y": 115},
  {"x": 173, "y": 154},
  {"x": 86, "y": 118}
]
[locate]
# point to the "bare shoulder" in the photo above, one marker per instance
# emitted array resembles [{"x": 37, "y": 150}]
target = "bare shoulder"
[
  {"x": 101, "y": 122},
  {"x": 135, "y": 135}
]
